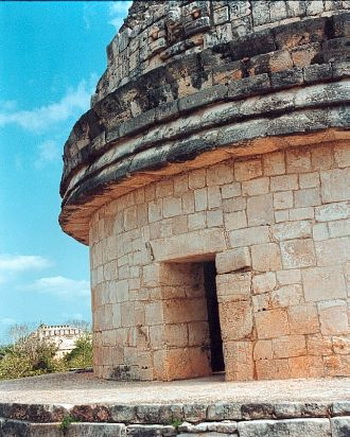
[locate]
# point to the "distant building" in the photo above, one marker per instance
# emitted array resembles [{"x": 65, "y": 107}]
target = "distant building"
[{"x": 63, "y": 336}]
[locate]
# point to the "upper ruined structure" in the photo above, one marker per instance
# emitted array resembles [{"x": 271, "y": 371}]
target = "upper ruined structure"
[
  {"x": 210, "y": 179},
  {"x": 171, "y": 58}
]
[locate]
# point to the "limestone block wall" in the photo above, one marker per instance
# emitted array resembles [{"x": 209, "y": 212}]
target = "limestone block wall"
[
  {"x": 277, "y": 227},
  {"x": 212, "y": 173}
]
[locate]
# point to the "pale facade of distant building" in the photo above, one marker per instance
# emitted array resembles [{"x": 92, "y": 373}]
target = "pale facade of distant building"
[{"x": 62, "y": 336}]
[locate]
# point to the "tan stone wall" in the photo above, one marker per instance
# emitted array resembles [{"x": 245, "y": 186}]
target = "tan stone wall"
[{"x": 278, "y": 227}]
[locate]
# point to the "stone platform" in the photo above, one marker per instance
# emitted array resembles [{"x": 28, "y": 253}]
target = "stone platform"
[{"x": 80, "y": 405}]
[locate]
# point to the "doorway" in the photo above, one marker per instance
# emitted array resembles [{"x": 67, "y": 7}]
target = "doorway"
[{"x": 217, "y": 361}]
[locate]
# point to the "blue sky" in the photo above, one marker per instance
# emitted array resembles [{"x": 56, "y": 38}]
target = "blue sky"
[{"x": 51, "y": 56}]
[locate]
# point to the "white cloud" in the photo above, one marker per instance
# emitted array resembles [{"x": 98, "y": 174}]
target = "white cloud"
[
  {"x": 118, "y": 10},
  {"x": 14, "y": 264},
  {"x": 20, "y": 263},
  {"x": 48, "y": 151},
  {"x": 61, "y": 287},
  {"x": 7, "y": 321},
  {"x": 39, "y": 119}
]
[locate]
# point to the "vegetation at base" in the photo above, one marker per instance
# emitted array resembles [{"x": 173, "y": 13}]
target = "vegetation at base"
[
  {"x": 81, "y": 355},
  {"x": 67, "y": 421},
  {"x": 28, "y": 355}
]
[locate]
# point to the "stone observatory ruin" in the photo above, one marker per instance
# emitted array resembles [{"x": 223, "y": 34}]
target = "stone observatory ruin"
[{"x": 211, "y": 181}]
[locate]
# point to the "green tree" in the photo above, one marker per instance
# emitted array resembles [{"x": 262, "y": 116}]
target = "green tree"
[
  {"x": 28, "y": 355},
  {"x": 81, "y": 355}
]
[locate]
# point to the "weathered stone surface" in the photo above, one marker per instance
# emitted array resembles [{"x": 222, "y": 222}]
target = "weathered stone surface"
[
  {"x": 216, "y": 149},
  {"x": 232, "y": 260},
  {"x": 340, "y": 426},
  {"x": 290, "y": 428}
]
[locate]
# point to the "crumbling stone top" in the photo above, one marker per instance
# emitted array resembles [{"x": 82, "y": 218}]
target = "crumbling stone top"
[{"x": 186, "y": 78}]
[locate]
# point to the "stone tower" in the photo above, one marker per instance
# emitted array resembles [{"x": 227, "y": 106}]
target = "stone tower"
[{"x": 211, "y": 181}]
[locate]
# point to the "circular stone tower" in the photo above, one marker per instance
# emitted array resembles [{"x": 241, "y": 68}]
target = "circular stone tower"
[{"x": 211, "y": 181}]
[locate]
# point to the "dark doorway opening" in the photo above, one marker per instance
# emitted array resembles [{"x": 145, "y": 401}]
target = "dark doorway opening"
[{"x": 217, "y": 356}]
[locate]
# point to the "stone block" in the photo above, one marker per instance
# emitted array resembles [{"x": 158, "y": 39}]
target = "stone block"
[
  {"x": 272, "y": 324},
  {"x": 235, "y": 220},
  {"x": 340, "y": 426},
  {"x": 307, "y": 197},
  {"x": 316, "y": 72},
  {"x": 306, "y": 367},
  {"x": 289, "y": 346},
  {"x": 284, "y": 182},
  {"x": 233, "y": 286},
  {"x": 283, "y": 200},
  {"x": 246, "y": 170},
  {"x": 303, "y": 56},
  {"x": 287, "y": 78},
  {"x": 286, "y": 277},
  {"x": 260, "y": 210},
  {"x": 298, "y": 161},
  {"x": 176, "y": 335},
  {"x": 254, "y": 44},
  {"x": 197, "y": 179},
  {"x": 330, "y": 252},
  {"x": 197, "y": 221},
  {"x": 298, "y": 253},
  {"x": 274, "y": 164},
  {"x": 342, "y": 156},
  {"x": 292, "y": 230},
  {"x": 263, "y": 350},
  {"x": 198, "y": 334},
  {"x": 224, "y": 411},
  {"x": 264, "y": 283},
  {"x": 239, "y": 361},
  {"x": 336, "y": 365},
  {"x": 249, "y": 236},
  {"x": 200, "y": 199},
  {"x": 339, "y": 228},
  {"x": 150, "y": 430},
  {"x": 332, "y": 211},
  {"x": 323, "y": 283},
  {"x": 201, "y": 98},
  {"x": 287, "y": 296},
  {"x": 187, "y": 363},
  {"x": 261, "y": 302},
  {"x": 94, "y": 430},
  {"x": 171, "y": 207},
  {"x": 234, "y": 204},
  {"x": 255, "y": 187},
  {"x": 231, "y": 190},
  {"x": 320, "y": 232},
  {"x": 309, "y": 180},
  {"x": 214, "y": 219},
  {"x": 236, "y": 320},
  {"x": 341, "y": 345},
  {"x": 266, "y": 257},
  {"x": 303, "y": 319},
  {"x": 195, "y": 243},
  {"x": 319, "y": 345},
  {"x": 281, "y": 216},
  {"x": 333, "y": 317},
  {"x": 248, "y": 86},
  {"x": 301, "y": 213},
  {"x": 335, "y": 185},
  {"x": 321, "y": 158},
  {"x": 284, "y": 428},
  {"x": 184, "y": 310},
  {"x": 214, "y": 197},
  {"x": 219, "y": 174},
  {"x": 273, "y": 369},
  {"x": 231, "y": 260}
]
